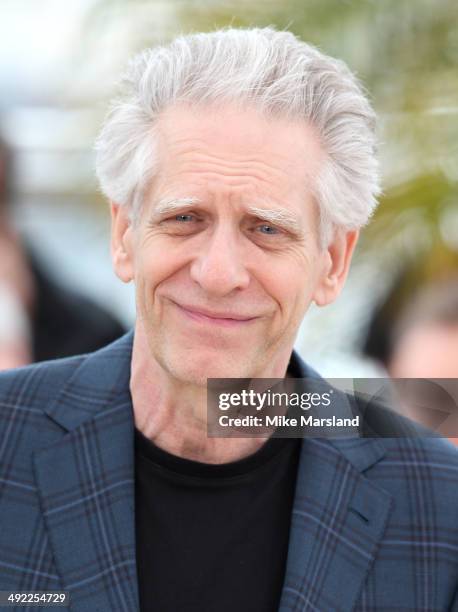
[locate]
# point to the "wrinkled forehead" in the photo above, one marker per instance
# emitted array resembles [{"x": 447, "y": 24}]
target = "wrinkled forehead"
[
  {"x": 236, "y": 153},
  {"x": 240, "y": 137}
]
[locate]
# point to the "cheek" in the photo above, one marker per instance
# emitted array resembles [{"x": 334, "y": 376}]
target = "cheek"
[
  {"x": 156, "y": 262},
  {"x": 289, "y": 279}
]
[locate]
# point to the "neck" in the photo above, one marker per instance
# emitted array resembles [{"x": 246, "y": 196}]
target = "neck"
[{"x": 173, "y": 413}]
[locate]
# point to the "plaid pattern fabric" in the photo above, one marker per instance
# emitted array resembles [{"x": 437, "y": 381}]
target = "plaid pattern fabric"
[{"x": 374, "y": 524}]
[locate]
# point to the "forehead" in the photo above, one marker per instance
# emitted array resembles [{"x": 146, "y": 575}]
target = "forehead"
[{"x": 238, "y": 147}]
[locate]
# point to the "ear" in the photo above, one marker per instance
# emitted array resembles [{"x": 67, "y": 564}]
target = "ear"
[
  {"x": 122, "y": 242},
  {"x": 337, "y": 257}
]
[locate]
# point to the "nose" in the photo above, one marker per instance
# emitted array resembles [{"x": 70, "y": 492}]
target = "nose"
[{"x": 219, "y": 267}]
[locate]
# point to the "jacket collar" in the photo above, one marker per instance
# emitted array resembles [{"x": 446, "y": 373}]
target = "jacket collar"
[
  {"x": 86, "y": 487},
  {"x": 99, "y": 383}
]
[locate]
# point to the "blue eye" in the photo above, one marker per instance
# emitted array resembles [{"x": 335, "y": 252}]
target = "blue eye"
[
  {"x": 184, "y": 218},
  {"x": 268, "y": 229}
]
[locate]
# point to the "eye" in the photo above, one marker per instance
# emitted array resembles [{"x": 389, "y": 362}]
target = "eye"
[
  {"x": 267, "y": 229},
  {"x": 184, "y": 218},
  {"x": 183, "y": 224}
]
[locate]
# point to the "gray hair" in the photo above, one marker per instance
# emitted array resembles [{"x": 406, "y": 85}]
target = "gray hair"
[{"x": 273, "y": 71}]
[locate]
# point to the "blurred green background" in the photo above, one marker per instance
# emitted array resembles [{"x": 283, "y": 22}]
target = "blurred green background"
[{"x": 60, "y": 62}]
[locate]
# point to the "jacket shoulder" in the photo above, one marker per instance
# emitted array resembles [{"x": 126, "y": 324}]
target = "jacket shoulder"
[
  {"x": 26, "y": 391},
  {"x": 432, "y": 452},
  {"x": 421, "y": 474}
]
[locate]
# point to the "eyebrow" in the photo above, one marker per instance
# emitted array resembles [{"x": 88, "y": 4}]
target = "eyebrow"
[
  {"x": 170, "y": 205},
  {"x": 281, "y": 217},
  {"x": 277, "y": 216}
]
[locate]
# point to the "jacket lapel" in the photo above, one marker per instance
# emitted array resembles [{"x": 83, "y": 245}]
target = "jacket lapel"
[
  {"x": 338, "y": 520},
  {"x": 86, "y": 484}
]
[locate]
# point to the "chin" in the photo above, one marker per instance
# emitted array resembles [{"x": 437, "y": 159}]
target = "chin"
[{"x": 196, "y": 366}]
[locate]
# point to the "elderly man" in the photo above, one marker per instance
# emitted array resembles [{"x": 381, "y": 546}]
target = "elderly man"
[{"x": 240, "y": 166}]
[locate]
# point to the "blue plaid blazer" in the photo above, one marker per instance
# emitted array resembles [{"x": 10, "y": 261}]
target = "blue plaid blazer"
[{"x": 374, "y": 523}]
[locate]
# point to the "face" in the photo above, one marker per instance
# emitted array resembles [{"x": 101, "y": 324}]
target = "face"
[
  {"x": 429, "y": 352},
  {"x": 225, "y": 256}
]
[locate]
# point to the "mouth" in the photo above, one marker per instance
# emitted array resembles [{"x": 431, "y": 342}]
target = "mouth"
[{"x": 224, "y": 319}]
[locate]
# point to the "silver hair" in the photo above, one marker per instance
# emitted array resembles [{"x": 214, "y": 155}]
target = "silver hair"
[{"x": 273, "y": 71}]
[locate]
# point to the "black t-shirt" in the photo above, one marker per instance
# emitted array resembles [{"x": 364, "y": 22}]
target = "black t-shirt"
[{"x": 213, "y": 538}]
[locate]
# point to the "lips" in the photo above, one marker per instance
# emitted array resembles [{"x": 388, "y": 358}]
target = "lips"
[{"x": 216, "y": 317}]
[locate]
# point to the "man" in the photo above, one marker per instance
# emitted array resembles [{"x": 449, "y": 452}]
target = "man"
[{"x": 240, "y": 166}]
